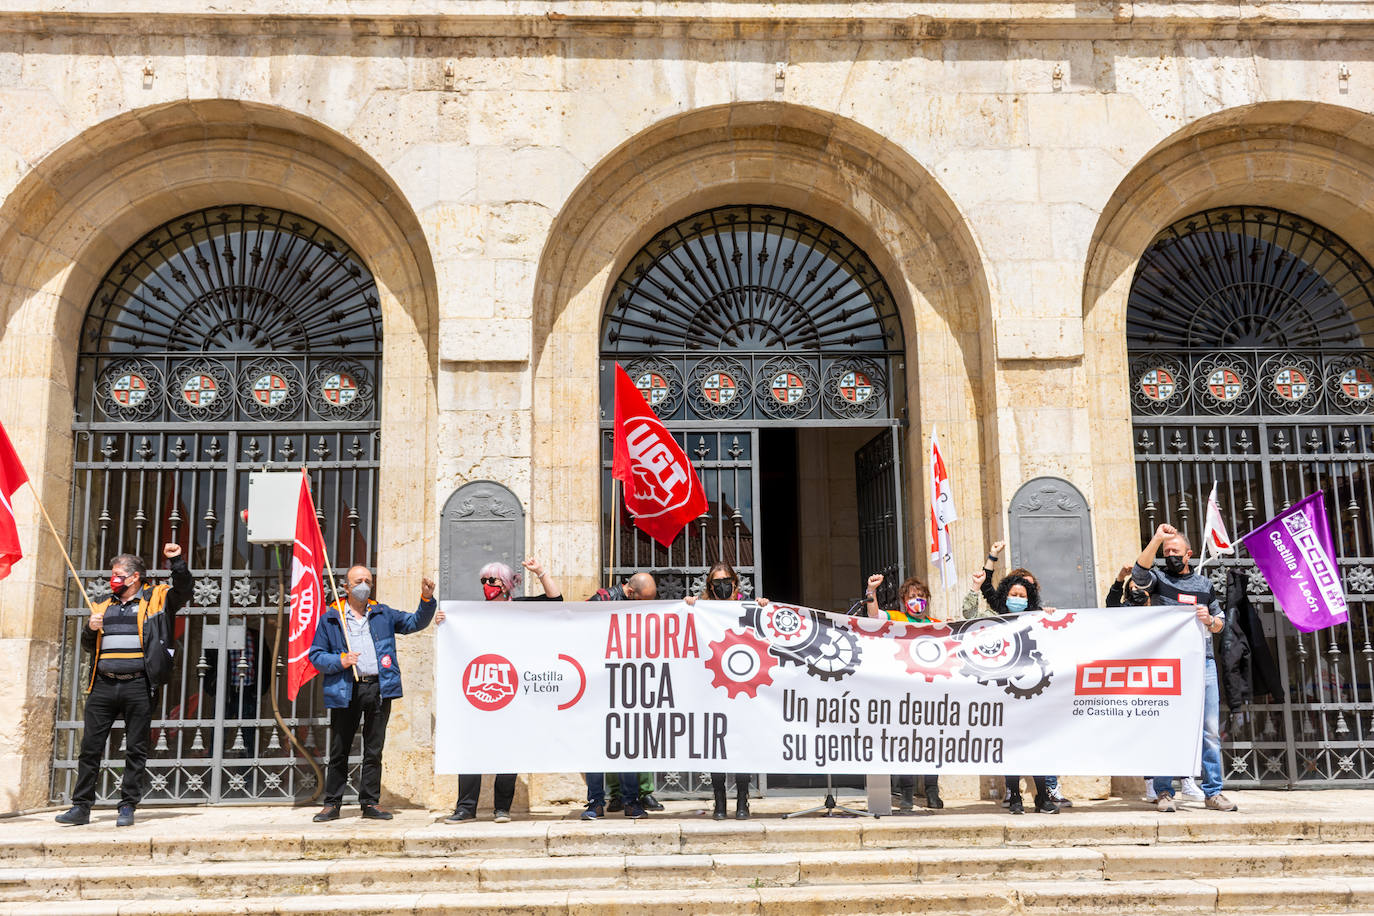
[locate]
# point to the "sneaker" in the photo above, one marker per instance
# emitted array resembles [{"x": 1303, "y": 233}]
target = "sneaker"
[
  {"x": 1165, "y": 804},
  {"x": 461, "y": 816},
  {"x": 593, "y": 812},
  {"x": 1220, "y": 802},
  {"x": 75, "y": 816},
  {"x": 373, "y": 813},
  {"x": 1046, "y": 806},
  {"x": 1151, "y": 795},
  {"x": 634, "y": 810},
  {"x": 126, "y": 816},
  {"x": 1058, "y": 798},
  {"x": 1191, "y": 790},
  {"x": 649, "y": 803},
  {"x": 1015, "y": 806},
  {"x": 500, "y": 817},
  {"x": 615, "y": 804}
]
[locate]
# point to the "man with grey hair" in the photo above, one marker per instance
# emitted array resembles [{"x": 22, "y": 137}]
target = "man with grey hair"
[
  {"x": 355, "y": 651},
  {"x": 131, "y": 638},
  {"x": 1177, "y": 584}
]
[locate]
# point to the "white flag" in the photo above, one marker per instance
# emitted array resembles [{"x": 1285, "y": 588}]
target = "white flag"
[
  {"x": 1215, "y": 540},
  {"x": 942, "y": 512}
]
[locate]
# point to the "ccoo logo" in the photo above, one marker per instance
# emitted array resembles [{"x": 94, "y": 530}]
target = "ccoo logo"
[{"x": 489, "y": 682}]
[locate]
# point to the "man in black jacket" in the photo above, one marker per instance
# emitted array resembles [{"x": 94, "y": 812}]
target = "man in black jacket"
[{"x": 131, "y": 639}]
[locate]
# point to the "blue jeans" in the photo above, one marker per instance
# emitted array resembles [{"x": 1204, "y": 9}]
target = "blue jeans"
[
  {"x": 1211, "y": 739},
  {"x": 596, "y": 787}
]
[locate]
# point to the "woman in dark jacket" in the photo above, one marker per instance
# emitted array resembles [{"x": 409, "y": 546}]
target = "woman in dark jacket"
[{"x": 499, "y": 582}]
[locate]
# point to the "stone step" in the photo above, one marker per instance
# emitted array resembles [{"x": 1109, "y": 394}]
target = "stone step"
[
  {"x": 178, "y": 837},
  {"x": 1091, "y": 869},
  {"x": 1117, "y": 898}
]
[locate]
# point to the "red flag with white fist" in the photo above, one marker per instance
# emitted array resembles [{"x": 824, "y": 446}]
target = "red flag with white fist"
[
  {"x": 307, "y": 591},
  {"x": 662, "y": 489}
]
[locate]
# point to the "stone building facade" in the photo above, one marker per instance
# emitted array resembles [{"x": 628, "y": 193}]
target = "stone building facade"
[{"x": 496, "y": 166}]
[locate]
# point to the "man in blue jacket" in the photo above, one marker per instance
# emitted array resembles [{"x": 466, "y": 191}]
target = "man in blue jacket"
[{"x": 355, "y": 651}]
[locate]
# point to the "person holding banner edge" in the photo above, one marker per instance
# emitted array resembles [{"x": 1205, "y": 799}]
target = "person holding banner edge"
[
  {"x": 1177, "y": 584},
  {"x": 913, "y": 600},
  {"x": 498, "y": 584},
  {"x": 355, "y": 650}
]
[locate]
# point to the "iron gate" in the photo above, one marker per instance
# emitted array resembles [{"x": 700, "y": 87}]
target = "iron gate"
[
  {"x": 227, "y": 341},
  {"x": 732, "y": 321},
  {"x": 1246, "y": 328}
]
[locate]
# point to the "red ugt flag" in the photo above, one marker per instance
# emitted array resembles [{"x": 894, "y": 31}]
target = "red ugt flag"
[
  {"x": 12, "y": 477},
  {"x": 307, "y": 592},
  {"x": 662, "y": 490}
]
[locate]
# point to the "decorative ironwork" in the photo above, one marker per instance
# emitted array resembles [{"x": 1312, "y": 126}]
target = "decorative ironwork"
[
  {"x": 1249, "y": 277},
  {"x": 855, "y": 388},
  {"x": 1259, "y": 319},
  {"x": 786, "y": 388},
  {"x": 719, "y": 388},
  {"x": 660, "y": 383},
  {"x": 169, "y": 418}
]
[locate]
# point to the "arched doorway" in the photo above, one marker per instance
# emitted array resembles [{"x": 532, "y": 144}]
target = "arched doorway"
[
  {"x": 227, "y": 340},
  {"x": 770, "y": 345},
  {"x": 1248, "y": 330}
]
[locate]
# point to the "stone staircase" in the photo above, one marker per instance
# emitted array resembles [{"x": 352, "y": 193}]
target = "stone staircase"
[{"x": 1108, "y": 857}]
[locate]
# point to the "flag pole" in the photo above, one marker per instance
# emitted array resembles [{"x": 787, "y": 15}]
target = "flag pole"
[
  {"x": 62, "y": 547},
  {"x": 615, "y": 518},
  {"x": 338, "y": 602}
]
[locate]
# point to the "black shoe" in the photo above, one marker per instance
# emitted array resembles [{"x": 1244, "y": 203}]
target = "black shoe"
[
  {"x": 719, "y": 812},
  {"x": 462, "y": 815},
  {"x": 126, "y": 816},
  {"x": 500, "y": 816},
  {"x": 649, "y": 803},
  {"x": 906, "y": 798},
  {"x": 1044, "y": 805},
  {"x": 634, "y": 810},
  {"x": 373, "y": 813},
  {"x": 615, "y": 804},
  {"x": 75, "y": 816},
  {"x": 1014, "y": 805},
  {"x": 327, "y": 813},
  {"x": 741, "y": 807},
  {"x": 594, "y": 812},
  {"x": 933, "y": 799}
]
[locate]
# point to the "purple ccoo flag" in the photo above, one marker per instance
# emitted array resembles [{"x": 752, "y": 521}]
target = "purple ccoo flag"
[{"x": 1293, "y": 550}]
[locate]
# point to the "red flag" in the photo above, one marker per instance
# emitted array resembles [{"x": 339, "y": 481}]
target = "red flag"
[
  {"x": 662, "y": 490},
  {"x": 307, "y": 592},
  {"x": 12, "y": 477}
]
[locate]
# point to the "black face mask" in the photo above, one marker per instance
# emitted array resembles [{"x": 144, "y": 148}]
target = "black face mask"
[
  {"x": 1175, "y": 565},
  {"x": 722, "y": 589},
  {"x": 1137, "y": 596}
]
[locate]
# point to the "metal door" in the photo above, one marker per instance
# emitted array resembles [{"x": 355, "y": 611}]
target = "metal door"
[
  {"x": 878, "y": 478},
  {"x": 226, "y": 341}
]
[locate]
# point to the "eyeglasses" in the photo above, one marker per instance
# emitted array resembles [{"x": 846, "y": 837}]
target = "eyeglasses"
[{"x": 491, "y": 580}]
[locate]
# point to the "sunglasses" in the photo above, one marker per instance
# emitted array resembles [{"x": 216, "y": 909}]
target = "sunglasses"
[{"x": 491, "y": 580}]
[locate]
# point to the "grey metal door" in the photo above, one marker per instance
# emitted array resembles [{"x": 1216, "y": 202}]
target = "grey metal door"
[
  {"x": 878, "y": 478},
  {"x": 1248, "y": 331},
  {"x": 226, "y": 341}
]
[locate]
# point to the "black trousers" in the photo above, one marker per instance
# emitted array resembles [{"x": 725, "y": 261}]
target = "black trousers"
[
  {"x": 718, "y": 781},
  {"x": 470, "y": 789},
  {"x": 932, "y": 782},
  {"x": 1014, "y": 785},
  {"x": 367, "y": 707},
  {"x": 110, "y": 700}
]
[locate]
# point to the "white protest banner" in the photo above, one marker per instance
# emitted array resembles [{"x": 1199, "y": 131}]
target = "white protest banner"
[{"x": 731, "y": 686}]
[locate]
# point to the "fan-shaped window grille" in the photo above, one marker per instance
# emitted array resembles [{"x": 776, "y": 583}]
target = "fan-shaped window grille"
[{"x": 756, "y": 312}]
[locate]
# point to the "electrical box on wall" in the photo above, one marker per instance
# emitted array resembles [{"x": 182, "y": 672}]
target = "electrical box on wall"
[{"x": 272, "y": 500}]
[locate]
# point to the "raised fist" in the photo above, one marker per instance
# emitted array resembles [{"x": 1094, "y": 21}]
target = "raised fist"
[
  {"x": 426, "y": 589},
  {"x": 874, "y": 581},
  {"x": 979, "y": 578},
  {"x": 998, "y": 547},
  {"x": 171, "y": 550},
  {"x": 1165, "y": 531}
]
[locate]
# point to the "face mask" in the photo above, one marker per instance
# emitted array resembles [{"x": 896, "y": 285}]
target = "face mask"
[
  {"x": 1017, "y": 605},
  {"x": 916, "y": 607},
  {"x": 1137, "y": 596},
  {"x": 722, "y": 589},
  {"x": 361, "y": 592},
  {"x": 1174, "y": 565},
  {"x": 117, "y": 584},
  {"x": 492, "y": 592}
]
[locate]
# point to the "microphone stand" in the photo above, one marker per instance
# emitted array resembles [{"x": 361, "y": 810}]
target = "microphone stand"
[{"x": 830, "y": 806}]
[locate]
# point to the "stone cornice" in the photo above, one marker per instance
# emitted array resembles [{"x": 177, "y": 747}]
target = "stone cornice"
[{"x": 740, "y": 19}]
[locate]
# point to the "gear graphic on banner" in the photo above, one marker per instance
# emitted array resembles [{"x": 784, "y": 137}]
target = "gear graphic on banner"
[
  {"x": 1055, "y": 619},
  {"x": 741, "y": 663},
  {"x": 994, "y": 650},
  {"x": 931, "y": 652}
]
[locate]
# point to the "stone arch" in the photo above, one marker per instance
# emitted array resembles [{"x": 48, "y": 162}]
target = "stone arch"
[
  {"x": 77, "y": 211},
  {"x": 1312, "y": 159},
  {"x": 814, "y": 162}
]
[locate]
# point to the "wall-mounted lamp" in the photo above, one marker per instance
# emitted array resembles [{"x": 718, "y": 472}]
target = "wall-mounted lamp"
[
  {"x": 450, "y": 73},
  {"x": 147, "y": 74},
  {"x": 779, "y": 75},
  {"x": 1057, "y": 77},
  {"x": 1343, "y": 77}
]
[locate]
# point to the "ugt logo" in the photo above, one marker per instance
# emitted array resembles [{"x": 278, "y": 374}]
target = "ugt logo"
[
  {"x": 489, "y": 682},
  {"x": 658, "y": 477}
]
